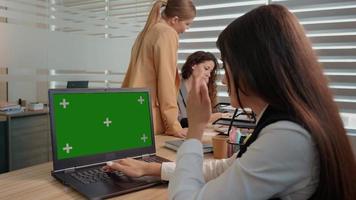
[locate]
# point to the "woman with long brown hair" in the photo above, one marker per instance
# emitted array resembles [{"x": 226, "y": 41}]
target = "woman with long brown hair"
[
  {"x": 199, "y": 63},
  {"x": 299, "y": 148},
  {"x": 153, "y": 62}
]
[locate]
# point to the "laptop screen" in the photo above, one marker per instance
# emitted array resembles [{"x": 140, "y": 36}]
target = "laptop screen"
[{"x": 91, "y": 122}]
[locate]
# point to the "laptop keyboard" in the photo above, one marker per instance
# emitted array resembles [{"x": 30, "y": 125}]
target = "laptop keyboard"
[
  {"x": 92, "y": 175},
  {"x": 96, "y": 174},
  {"x": 154, "y": 159}
]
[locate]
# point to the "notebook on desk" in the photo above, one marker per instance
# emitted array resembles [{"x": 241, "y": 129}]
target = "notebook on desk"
[
  {"x": 175, "y": 144},
  {"x": 92, "y": 126}
]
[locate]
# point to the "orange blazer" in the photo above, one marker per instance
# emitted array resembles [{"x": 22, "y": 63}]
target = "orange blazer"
[{"x": 156, "y": 69}]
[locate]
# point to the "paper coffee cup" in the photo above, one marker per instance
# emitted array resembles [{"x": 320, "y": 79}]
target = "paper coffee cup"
[{"x": 220, "y": 146}]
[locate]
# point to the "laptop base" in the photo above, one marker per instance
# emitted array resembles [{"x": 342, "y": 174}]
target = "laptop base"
[{"x": 107, "y": 184}]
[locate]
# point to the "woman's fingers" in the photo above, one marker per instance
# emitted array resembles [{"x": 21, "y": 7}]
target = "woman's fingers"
[
  {"x": 128, "y": 162},
  {"x": 128, "y": 166},
  {"x": 120, "y": 166},
  {"x": 199, "y": 109},
  {"x": 115, "y": 165},
  {"x": 205, "y": 99},
  {"x": 106, "y": 168}
]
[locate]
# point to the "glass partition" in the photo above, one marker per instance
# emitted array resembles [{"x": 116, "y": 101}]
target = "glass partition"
[{"x": 45, "y": 43}]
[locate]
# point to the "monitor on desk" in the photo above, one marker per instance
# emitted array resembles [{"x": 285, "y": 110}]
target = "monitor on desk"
[{"x": 77, "y": 84}]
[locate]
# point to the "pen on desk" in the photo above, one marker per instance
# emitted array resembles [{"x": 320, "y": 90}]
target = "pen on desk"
[
  {"x": 246, "y": 138},
  {"x": 232, "y": 120}
]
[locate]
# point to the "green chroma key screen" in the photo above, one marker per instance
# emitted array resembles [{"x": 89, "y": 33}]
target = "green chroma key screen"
[{"x": 93, "y": 123}]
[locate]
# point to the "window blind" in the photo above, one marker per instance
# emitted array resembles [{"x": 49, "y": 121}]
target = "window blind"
[
  {"x": 330, "y": 25},
  {"x": 212, "y": 18}
]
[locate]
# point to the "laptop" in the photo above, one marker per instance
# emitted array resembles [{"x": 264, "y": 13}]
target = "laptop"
[{"x": 92, "y": 126}]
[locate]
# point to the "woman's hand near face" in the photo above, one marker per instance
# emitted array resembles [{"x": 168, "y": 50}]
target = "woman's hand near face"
[
  {"x": 198, "y": 108},
  {"x": 200, "y": 71}
]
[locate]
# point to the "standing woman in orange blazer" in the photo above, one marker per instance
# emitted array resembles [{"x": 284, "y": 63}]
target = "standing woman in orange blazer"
[{"x": 153, "y": 62}]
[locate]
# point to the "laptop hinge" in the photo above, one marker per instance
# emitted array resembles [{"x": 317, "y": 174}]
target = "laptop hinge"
[
  {"x": 145, "y": 155},
  {"x": 72, "y": 169},
  {"x": 69, "y": 170}
]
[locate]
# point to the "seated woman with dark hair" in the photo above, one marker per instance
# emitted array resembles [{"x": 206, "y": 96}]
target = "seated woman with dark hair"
[
  {"x": 198, "y": 64},
  {"x": 299, "y": 149}
]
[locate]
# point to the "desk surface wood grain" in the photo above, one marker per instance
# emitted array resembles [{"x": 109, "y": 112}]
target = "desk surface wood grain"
[{"x": 37, "y": 183}]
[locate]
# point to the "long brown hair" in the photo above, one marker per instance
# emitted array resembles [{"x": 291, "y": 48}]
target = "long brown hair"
[
  {"x": 270, "y": 56},
  {"x": 197, "y": 58},
  {"x": 183, "y": 9}
]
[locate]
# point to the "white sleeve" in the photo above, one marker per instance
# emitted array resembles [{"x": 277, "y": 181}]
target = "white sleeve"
[
  {"x": 167, "y": 169},
  {"x": 188, "y": 178},
  {"x": 211, "y": 168},
  {"x": 280, "y": 159}
]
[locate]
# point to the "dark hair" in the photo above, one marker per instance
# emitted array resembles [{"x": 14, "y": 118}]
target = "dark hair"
[
  {"x": 197, "y": 58},
  {"x": 270, "y": 56}
]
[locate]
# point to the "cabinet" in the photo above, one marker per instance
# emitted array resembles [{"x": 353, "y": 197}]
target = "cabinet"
[
  {"x": 28, "y": 139},
  {"x": 3, "y": 146}
]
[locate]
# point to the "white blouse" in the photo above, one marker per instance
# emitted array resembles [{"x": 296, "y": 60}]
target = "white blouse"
[{"x": 282, "y": 162}]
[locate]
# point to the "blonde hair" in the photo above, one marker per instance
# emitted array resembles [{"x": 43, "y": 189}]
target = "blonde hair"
[{"x": 184, "y": 9}]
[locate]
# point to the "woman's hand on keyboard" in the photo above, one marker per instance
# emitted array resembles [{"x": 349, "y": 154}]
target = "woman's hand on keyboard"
[{"x": 133, "y": 168}]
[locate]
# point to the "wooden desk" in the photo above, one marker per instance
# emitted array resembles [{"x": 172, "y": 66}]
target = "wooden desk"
[{"x": 37, "y": 183}]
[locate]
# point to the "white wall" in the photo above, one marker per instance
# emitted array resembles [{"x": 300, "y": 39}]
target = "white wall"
[{"x": 30, "y": 51}]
